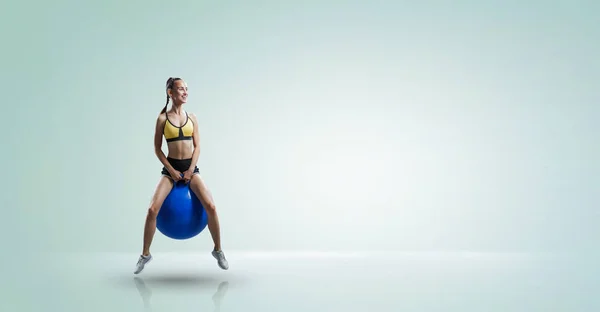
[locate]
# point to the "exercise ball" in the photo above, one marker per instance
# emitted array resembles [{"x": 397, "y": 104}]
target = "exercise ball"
[{"x": 182, "y": 215}]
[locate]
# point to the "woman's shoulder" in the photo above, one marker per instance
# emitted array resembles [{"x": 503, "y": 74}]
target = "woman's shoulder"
[
  {"x": 192, "y": 117},
  {"x": 162, "y": 117}
]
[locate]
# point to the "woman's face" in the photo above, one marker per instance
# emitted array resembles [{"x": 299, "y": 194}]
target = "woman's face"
[{"x": 179, "y": 92}]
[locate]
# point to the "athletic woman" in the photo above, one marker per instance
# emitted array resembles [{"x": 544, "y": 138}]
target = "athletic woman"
[{"x": 180, "y": 130}]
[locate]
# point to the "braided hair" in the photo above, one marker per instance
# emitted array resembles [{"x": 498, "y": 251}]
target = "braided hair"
[{"x": 169, "y": 85}]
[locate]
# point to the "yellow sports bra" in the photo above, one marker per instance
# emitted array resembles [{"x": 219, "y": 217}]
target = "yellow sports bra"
[{"x": 174, "y": 133}]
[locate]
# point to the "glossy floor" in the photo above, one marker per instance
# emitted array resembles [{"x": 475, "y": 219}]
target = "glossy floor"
[{"x": 432, "y": 281}]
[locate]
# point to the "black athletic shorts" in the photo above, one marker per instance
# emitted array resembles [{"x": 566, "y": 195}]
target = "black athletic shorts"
[{"x": 180, "y": 165}]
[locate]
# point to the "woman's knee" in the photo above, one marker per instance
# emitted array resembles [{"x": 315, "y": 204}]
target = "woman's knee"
[
  {"x": 153, "y": 211},
  {"x": 162, "y": 191},
  {"x": 210, "y": 207}
]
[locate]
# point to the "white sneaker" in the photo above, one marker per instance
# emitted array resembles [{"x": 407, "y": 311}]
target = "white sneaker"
[
  {"x": 141, "y": 263},
  {"x": 220, "y": 256}
]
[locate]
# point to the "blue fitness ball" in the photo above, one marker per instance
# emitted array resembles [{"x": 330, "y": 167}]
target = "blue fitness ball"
[{"x": 182, "y": 215}]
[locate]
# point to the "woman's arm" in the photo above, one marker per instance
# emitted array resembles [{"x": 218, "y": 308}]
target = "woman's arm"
[
  {"x": 196, "y": 141},
  {"x": 160, "y": 123}
]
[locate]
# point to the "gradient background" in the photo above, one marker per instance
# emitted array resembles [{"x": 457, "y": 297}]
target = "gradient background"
[{"x": 325, "y": 125}]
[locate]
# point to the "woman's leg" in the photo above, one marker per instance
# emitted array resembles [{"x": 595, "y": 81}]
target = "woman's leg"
[
  {"x": 164, "y": 186},
  {"x": 201, "y": 191}
]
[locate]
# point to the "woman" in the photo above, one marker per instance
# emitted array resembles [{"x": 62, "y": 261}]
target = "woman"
[{"x": 180, "y": 130}]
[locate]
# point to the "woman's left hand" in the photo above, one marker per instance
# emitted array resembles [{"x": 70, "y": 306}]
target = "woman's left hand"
[{"x": 187, "y": 176}]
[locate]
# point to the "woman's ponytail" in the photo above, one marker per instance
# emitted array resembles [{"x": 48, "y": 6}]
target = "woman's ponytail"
[
  {"x": 164, "y": 110},
  {"x": 169, "y": 85}
]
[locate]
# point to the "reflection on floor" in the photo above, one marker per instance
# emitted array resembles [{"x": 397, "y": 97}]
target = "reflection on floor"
[
  {"x": 435, "y": 281},
  {"x": 146, "y": 294}
]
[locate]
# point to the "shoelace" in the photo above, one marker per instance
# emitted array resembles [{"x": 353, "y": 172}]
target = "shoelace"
[
  {"x": 140, "y": 260},
  {"x": 220, "y": 255}
]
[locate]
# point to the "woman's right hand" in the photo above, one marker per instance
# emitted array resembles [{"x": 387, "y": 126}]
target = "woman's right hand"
[{"x": 176, "y": 175}]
